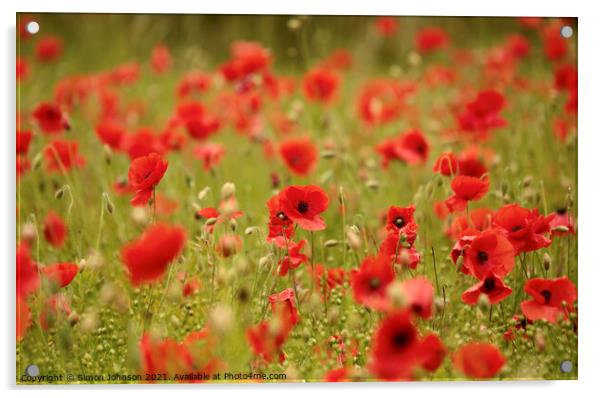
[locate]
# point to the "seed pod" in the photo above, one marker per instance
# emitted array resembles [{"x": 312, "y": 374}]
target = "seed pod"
[
  {"x": 228, "y": 190},
  {"x": 547, "y": 261},
  {"x": 331, "y": 243},
  {"x": 211, "y": 221},
  {"x": 203, "y": 193},
  {"x": 233, "y": 225},
  {"x": 527, "y": 181},
  {"x": 251, "y": 230}
]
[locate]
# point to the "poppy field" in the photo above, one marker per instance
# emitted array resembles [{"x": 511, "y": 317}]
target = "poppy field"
[{"x": 223, "y": 199}]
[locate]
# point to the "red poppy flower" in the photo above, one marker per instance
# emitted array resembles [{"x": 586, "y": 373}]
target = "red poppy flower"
[
  {"x": 446, "y": 164},
  {"x": 387, "y": 150},
  {"x": 419, "y": 294},
  {"x": 524, "y": 228},
  {"x": 394, "y": 247},
  {"x": 492, "y": 286},
  {"x": 428, "y": 40},
  {"x": 386, "y": 26},
  {"x": 479, "y": 360},
  {"x": 110, "y": 133},
  {"x": 459, "y": 249},
  {"x": 61, "y": 274},
  {"x": 125, "y": 74},
  {"x": 554, "y": 45},
  {"x": 161, "y": 59},
  {"x": 193, "y": 82},
  {"x": 400, "y": 217},
  {"x": 55, "y": 230},
  {"x": 23, "y": 321},
  {"x": 381, "y": 101},
  {"x": 480, "y": 220},
  {"x": 144, "y": 174},
  {"x": 548, "y": 297},
  {"x": 23, "y": 141},
  {"x": 413, "y": 147},
  {"x": 28, "y": 278},
  {"x": 247, "y": 58},
  {"x": 518, "y": 45},
  {"x": 566, "y": 77},
  {"x": 304, "y": 204},
  {"x": 49, "y": 48},
  {"x": 466, "y": 189},
  {"x": 293, "y": 259},
  {"x": 283, "y": 306},
  {"x": 147, "y": 257},
  {"x": 228, "y": 245},
  {"x": 211, "y": 154},
  {"x": 489, "y": 253},
  {"x": 62, "y": 155},
  {"x": 266, "y": 340},
  {"x": 333, "y": 276},
  {"x": 483, "y": 114},
  {"x": 280, "y": 226},
  {"x": 470, "y": 165},
  {"x": 339, "y": 59},
  {"x": 398, "y": 351},
  {"x": 50, "y": 118},
  {"x": 321, "y": 85},
  {"x": 299, "y": 154},
  {"x": 337, "y": 375},
  {"x": 370, "y": 282},
  {"x": 22, "y": 68}
]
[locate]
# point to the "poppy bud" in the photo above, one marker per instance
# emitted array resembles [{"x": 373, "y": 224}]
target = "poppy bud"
[
  {"x": 233, "y": 224},
  {"x": 328, "y": 154},
  {"x": 89, "y": 321},
  {"x": 139, "y": 216},
  {"x": 73, "y": 318},
  {"x": 251, "y": 230},
  {"x": 331, "y": 243},
  {"x": 265, "y": 261},
  {"x": 108, "y": 153},
  {"x": 547, "y": 261},
  {"x": 108, "y": 204},
  {"x": 29, "y": 233},
  {"x": 353, "y": 237},
  {"x": 373, "y": 184},
  {"x": 560, "y": 228},
  {"x": 439, "y": 304},
  {"x": 396, "y": 295},
  {"x": 37, "y": 161},
  {"x": 211, "y": 221},
  {"x": 221, "y": 318},
  {"x": 228, "y": 190},
  {"x": 527, "y": 181},
  {"x": 293, "y": 24},
  {"x": 189, "y": 181},
  {"x": 414, "y": 59},
  {"x": 203, "y": 193},
  {"x": 540, "y": 341}
]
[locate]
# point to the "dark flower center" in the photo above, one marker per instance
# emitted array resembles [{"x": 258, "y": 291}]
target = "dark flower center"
[
  {"x": 561, "y": 210},
  {"x": 488, "y": 285},
  {"x": 547, "y": 295},
  {"x": 374, "y": 283},
  {"x": 482, "y": 256},
  {"x": 281, "y": 216},
  {"x": 416, "y": 308},
  {"x": 517, "y": 228},
  {"x": 420, "y": 149},
  {"x": 399, "y": 222},
  {"x": 302, "y": 206},
  {"x": 401, "y": 339}
]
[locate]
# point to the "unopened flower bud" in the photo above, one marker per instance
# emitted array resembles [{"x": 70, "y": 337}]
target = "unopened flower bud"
[{"x": 228, "y": 190}]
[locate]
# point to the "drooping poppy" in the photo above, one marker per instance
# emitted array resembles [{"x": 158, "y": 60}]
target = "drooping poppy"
[
  {"x": 446, "y": 164},
  {"x": 370, "y": 282},
  {"x": 304, "y": 204},
  {"x": 283, "y": 307},
  {"x": 548, "y": 298},
  {"x": 147, "y": 257},
  {"x": 294, "y": 257},
  {"x": 60, "y": 274},
  {"x": 144, "y": 174},
  {"x": 492, "y": 286},
  {"x": 489, "y": 253},
  {"x": 299, "y": 154},
  {"x": 50, "y": 118},
  {"x": 479, "y": 360},
  {"x": 55, "y": 229},
  {"x": 466, "y": 189}
]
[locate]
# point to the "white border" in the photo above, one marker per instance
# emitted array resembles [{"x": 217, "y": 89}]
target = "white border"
[{"x": 590, "y": 194}]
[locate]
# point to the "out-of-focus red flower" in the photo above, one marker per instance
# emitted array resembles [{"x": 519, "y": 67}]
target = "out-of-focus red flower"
[
  {"x": 125, "y": 74},
  {"x": 228, "y": 245},
  {"x": 161, "y": 59},
  {"x": 266, "y": 340},
  {"x": 49, "y": 48},
  {"x": 147, "y": 257},
  {"x": 337, "y": 375},
  {"x": 398, "y": 351},
  {"x": 483, "y": 114},
  {"x": 334, "y": 276},
  {"x": 299, "y": 154},
  {"x": 466, "y": 189},
  {"x": 524, "y": 228},
  {"x": 304, "y": 204},
  {"x": 562, "y": 223},
  {"x": 492, "y": 286},
  {"x": 50, "y": 118},
  {"x": 23, "y": 141},
  {"x": 22, "y": 68},
  {"x": 489, "y": 253},
  {"x": 548, "y": 298},
  {"x": 446, "y": 164},
  {"x": 394, "y": 247},
  {"x": 247, "y": 58},
  {"x": 566, "y": 77},
  {"x": 142, "y": 143},
  {"x": 62, "y": 155},
  {"x": 530, "y": 22},
  {"x": 293, "y": 259},
  {"x": 55, "y": 230},
  {"x": 555, "y": 46},
  {"x": 210, "y": 153},
  {"x": 60, "y": 274},
  {"x": 429, "y": 40},
  {"x": 28, "y": 278},
  {"x": 321, "y": 85},
  {"x": 480, "y": 220},
  {"x": 419, "y": 294},
  {"x": 192, "y": 83},
  {"x": 283, "y": 307},
  {"x": 479, "y": 360},
  {"x": 386, "y": 26},
  {"x": 381, "y": 101},
  {"x": 339, "y": 59},
  {"x": 144, "y": 174},
  {"x": 110, "y": 133},
  {"x": 23, "y": 321},
  {"x": 518, "y": 45},
  {"x": 370, "y": 282},
  {"x": 410, "y": 147}
]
